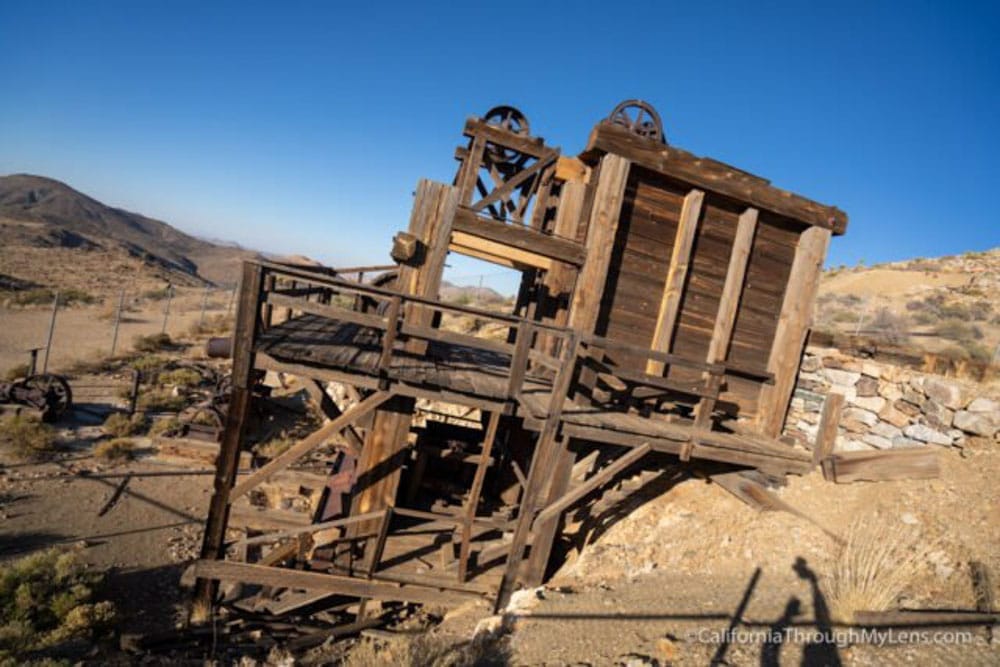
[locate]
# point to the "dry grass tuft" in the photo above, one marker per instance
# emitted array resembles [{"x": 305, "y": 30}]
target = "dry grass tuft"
[
  {"x": 115, "y": 451},
  {"x": 26, "y": 437},
  {"x": 429, "y": 650},
  {"x": 17, "y": 371},
  {"x": 875, "y": 566},
  {"x": 152, "y": 343},
  {"x": 165, "y": 426},
  {"x": 120, "y": 425}
]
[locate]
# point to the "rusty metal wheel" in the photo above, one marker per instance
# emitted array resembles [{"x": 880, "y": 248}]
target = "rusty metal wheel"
[
  {"x": 512, "y": 120},
  {"x": 54, "y": 391},
  {"x": 639, "y": 118}
]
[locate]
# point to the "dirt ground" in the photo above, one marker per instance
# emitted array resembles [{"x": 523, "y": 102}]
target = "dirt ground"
[
  {"x": 665, "y": 582},
  {"x": 86, "y": 332}
]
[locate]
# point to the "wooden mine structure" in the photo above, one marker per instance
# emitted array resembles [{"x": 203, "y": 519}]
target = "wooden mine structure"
[{"x": 663, "y": 310}]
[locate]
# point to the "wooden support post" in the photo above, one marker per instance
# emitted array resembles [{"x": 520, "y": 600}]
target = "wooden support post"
[
  {"x": 542, "y": 463},
  {"x": 826, "y": 435},
  {"x": 269, "y": 282},
  {"x": 379, "y": 468},
  {"x": 601, "y": 231},
  {"x": 307, "y": 444},
  {"x": 244, "y": 336},
  {"x": 673, "y": 288},
  {"x": 472, "y": 502},
  {"x": 389, "y": 338},
  {"x": 545, "y": 528},
  {"x": 559, "y": 280},
  {"x": 793, "y": 326},
  {"x": 729, "y": 303},
  {"x": 519, "y": 361}
]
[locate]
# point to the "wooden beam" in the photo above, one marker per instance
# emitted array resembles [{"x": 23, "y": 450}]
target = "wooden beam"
[
  {"x": 712, "y": 176},
  {"x": 599, "y": 479},
  {"x": 331, "y": 411},
  {"x": 601, "y": 232},
  {"x": 729, "y": 303},
  {"x": 518, "y": 236},
  {"x": 244, "y": 336},
  {"x": 472, "y": 502},
  {"x": 310, "y": 442},
  {"x": 571, "y": 169},
  {"x": 793, "y": 327},
  {"x": 321, "y": 582},
  {"x": 498, "y": 253},
  {"x": 883, "y": 465},
  {"x": 673, "y": 287},
  {"x": 826, "y": 435}
]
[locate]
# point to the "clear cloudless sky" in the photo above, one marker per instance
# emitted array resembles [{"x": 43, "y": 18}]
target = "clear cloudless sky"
[{"x": 303, "y": 127}]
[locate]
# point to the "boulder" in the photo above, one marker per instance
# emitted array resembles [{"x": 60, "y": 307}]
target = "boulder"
[
  {"x": 841, "y": 378},
  {"x": 867, "y": 386},
  {"x": 978, "y": 423},
  {"x": 983, "y": 405},
  {"x": 925, "y": 433},
  {"x": 944, "y": 392}
]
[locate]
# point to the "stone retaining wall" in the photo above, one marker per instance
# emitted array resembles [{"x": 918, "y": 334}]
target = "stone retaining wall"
[{"x": 887, "y": 406}]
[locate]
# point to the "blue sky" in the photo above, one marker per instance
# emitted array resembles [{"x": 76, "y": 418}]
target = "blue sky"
[{"x": 303, "y": 127}]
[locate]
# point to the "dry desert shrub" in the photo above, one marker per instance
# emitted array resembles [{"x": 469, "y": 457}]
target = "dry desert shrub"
[
  {"x": 26, "y": 437},
  {"x": 121, "y": 425},
  {"x": 152, "y": 342},
  {"x": 45, "y": 599},
  {"x": 17, "y": 371},
  {"x": 115, "y": 451},
  {"x": 877, "y": 563},
  {"x": 429, "y": 650}
]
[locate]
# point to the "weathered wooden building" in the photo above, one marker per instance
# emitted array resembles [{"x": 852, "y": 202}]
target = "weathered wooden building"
[{"x": 663, "y": 310}]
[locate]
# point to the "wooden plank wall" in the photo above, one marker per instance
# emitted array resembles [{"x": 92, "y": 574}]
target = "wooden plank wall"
[{"x": 639, "y": 267}]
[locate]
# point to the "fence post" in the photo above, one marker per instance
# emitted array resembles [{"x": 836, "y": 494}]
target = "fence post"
[
  {"x": 118, "y": 319},
  {"x": 166, "y": 309},
  {"x": 204, "y": 304},
  {"x": 133, "y": 396},
  {"x": 52, "y": 328}
]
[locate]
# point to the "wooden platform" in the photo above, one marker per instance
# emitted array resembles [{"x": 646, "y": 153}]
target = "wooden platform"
[
  {"x": 326, "y": 346},
  {"x": 606, "y": 425}
]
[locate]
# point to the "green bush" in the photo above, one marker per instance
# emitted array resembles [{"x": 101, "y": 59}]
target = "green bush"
[
  {"x": 157, "y": 400},
  {"x": 149, "y": 365},
  {"x": 26, "y": 437},
  {"x": 166, "y": 426},
  {"x": 152, "y": 343},
  {"x": 46, "y": 599}
]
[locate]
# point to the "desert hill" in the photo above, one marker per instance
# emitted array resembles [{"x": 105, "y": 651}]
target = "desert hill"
[
  {"x": 56, "y": 236},
  {"x": 947, "y": 305}
]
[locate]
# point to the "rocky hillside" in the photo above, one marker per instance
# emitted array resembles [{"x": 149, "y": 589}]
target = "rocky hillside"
[
  {"x": 55, "y": 236},
  {"x": 947, "y": 305}
]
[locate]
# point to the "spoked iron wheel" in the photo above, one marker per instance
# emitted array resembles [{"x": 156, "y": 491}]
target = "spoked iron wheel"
[
  {"x": 639, "y": 118},
  {"x": 510, "y": 119},
  {"x": 55, "y": 392}
]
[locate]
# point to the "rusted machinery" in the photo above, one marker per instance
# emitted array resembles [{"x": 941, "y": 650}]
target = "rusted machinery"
[{"x": 46, "y": 392}]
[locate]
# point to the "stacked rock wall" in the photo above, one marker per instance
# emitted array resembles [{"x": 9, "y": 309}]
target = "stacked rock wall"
[{"x": 888, "y": 406}]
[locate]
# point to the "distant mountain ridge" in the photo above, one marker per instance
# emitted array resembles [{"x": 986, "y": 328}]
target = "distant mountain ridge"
[{"x": 38, "y": 212}]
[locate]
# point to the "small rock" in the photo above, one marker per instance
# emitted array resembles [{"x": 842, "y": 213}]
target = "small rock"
[
  {"x": 841, "y": 378},
  {"x": 907, "y": 407},
  {"x": 983, "y": 405},
  {"x": 909, "y": 519},
  {"x": 977, "y": 423},
  {"x": 913, "y": 397},
  {"x": 890, "y": 391},
  {"x": 872, "y": 403},
  {"x": 924, "y": 433},
  {"x": 867, "y": 386},
  {"x": 937, "y": 414},
  {"x": 877, "y": 441},
  {"x": 891, "y": 415},
  {"x": 810, "y": 364},
  {"x": 902, "y": 442},
  {"x": 866, "y": 417},
  {"x": 886, "y": 430},
  {"x": 947, "y": 393},
  {"x": 871, "y": 369}
]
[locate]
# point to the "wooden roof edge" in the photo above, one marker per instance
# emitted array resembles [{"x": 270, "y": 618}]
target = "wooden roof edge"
[{"x": 710, "y": 175}]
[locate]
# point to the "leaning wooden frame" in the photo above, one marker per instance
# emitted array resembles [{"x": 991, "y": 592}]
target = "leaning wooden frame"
[{"x": 664, "y": 305}]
